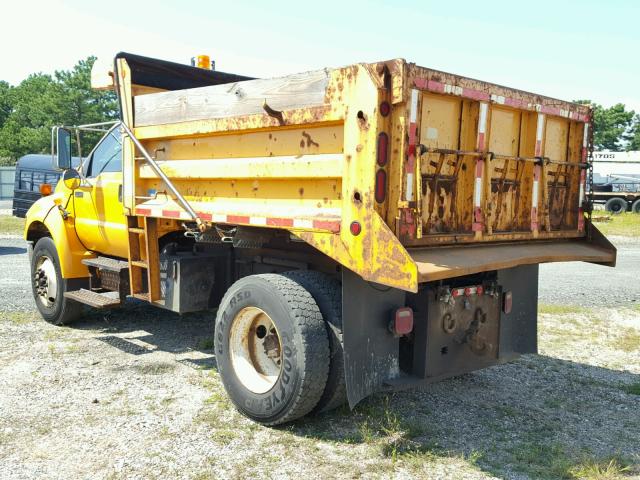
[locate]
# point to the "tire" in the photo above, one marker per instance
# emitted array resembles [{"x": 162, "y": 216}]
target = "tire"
[
  {"x": 54, "y": 307},
  {"x": 616, "y": 205},
  {"x": 635, "y": 207},
  {"x": 272, "y": 348},
  {"x": 327, "y": 293}
]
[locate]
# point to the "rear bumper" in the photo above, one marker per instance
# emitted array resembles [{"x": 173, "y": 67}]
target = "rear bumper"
[{"x": 437, "y": 263}]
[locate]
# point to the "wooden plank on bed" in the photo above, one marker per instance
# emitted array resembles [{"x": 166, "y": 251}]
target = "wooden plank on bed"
[{"x": 241, "y": 98}]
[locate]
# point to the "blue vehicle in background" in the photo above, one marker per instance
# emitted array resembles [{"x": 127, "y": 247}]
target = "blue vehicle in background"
[{"x": 35, "y": 176}]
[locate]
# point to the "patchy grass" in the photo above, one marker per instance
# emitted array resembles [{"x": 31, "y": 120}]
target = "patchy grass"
[
  {"x": 628, "y": 341},
  {"x": 633, "y": 389},
  {"x": 548, "y": 460},
  {"x": 552, "y": 309},
  {"x": 11, "y": 225},
  {"x": 18, "y": 318},
  {"x": 542, "y": 459},
  {"x": 608, "y": 469},
  {"x": 155, "y": 368},
  {"x": 624, "y": 224},
  {"x": 206, "y": 344}
]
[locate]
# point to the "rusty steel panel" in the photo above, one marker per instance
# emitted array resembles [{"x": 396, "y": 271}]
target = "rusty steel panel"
[{"x": 495, "y": 163}]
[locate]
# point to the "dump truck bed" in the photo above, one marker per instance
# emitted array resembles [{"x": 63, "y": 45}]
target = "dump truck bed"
[{"x": 388, "y": 168}]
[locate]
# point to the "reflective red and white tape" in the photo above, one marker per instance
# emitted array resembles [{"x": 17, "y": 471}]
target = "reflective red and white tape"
[
  {"x": 332, "y": 225},
  {"x": 537, "y": 171},
  {"x": 477, "y": 190},
  {"x": 413, "y": 141},
  {"x": 473, "y": 94}
]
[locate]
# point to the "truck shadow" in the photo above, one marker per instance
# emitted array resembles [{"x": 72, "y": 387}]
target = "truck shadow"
[
  {"x": 536, "y": 417},
  {"x": 140, "y": 329}
]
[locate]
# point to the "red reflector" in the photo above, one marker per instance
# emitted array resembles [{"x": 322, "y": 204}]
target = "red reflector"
[
  {"x": 385, "y": 109},
  {"x": 381, "y": 186},
  {"x": 467, "y": 291},
  {"x": 402, "y": 322},
  {"x": 479, "y": 289},
  {"x": 455, "y": 292},
  {"x": 355, "y": 228},
  {"x": 383, "y": 149},
  {"x": 507, "y": 302}
]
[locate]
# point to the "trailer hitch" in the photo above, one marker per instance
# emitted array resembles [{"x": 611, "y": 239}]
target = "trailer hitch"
[{"x": 472, "y": 337}]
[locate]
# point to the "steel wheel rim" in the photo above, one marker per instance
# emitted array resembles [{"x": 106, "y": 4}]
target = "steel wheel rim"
[
  {"x": 255, "y": 349},
  {"x": 46, "y": 281}
]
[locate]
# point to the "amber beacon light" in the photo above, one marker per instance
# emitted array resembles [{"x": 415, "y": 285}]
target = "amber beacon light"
[{"x": 203, "y": 61}]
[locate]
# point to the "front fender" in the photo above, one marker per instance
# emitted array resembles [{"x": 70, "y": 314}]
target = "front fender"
[{"x": 45, "y": 213}]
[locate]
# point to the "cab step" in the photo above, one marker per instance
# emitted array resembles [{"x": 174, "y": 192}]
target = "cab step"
[
  {"x": 106, "y": 263},
  {"x": 109, "y": 274},
  {"x": 95, "y": 299}
]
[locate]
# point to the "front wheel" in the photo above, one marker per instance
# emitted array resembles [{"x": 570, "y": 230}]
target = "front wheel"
[
  {"x": 48, "y": 285},
  {"x": 272, "y": 348}
]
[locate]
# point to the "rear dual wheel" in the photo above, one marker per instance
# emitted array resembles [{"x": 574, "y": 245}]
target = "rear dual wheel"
[{"x": 272, "y": 348}]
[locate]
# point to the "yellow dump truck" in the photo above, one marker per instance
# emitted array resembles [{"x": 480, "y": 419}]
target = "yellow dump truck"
[{"x": 359, "y": 229}]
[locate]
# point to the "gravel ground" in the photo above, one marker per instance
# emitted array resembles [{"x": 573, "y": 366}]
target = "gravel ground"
[
  {"x": 585, "y": 284},
  {"x": 6, "y": 207},
  {"x": 14, "y": 279},
  {"x": 135, "y": 394}
]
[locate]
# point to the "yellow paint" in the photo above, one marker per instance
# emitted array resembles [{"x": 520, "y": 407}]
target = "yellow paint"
[
  {"x": 320, "y": 166},
  {"x": 272, "y": 142},
  {"x": 62, "y": 232},
  {"x": 99, "y": 216}
]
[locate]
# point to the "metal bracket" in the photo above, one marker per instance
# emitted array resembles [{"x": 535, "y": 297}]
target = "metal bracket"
[
  {"x": 158, "y": 171},
  {"x": 277, "y": 114}
]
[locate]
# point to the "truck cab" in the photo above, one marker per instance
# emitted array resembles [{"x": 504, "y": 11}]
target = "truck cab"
[{"x": 97, "y": 202}]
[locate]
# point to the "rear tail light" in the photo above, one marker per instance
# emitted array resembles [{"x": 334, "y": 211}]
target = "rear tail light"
[
  {"x": 381, "y": 186},
  {"x": 383, "y": 149},
  {"x": 355, "y": 228},
  {"x": 382, "y": 157},
  {"x": 385, "y": 108},
  {"x": 402, "y": 322}
]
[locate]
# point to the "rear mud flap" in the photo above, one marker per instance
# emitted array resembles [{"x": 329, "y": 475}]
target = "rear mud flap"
[{"x": 371, "y": 352}]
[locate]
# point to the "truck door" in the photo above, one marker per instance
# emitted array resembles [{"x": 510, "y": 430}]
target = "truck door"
[{"x": 100, "y": 220}]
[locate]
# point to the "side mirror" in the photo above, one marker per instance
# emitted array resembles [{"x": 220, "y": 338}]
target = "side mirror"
[
  {"x": 63, "y": 148},
  {"x": 71, "y": 179}
]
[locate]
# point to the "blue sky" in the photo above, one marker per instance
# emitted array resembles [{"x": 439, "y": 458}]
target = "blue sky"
[{"x": 565, "y": 49}]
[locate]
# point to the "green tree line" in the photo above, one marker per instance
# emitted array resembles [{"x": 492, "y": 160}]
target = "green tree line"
[
  {"x": 30, "y": 109},
  {"x": 615, "y": 128}
]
